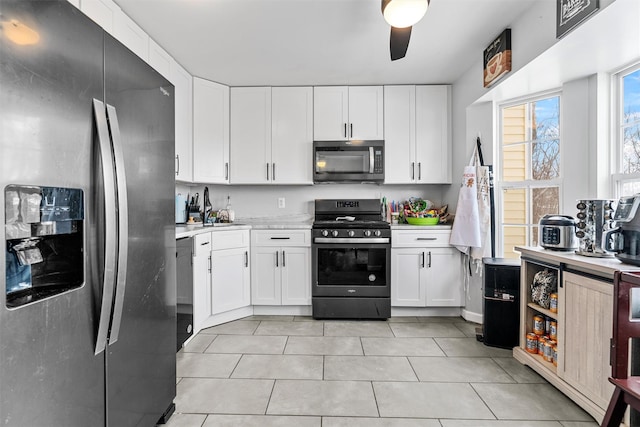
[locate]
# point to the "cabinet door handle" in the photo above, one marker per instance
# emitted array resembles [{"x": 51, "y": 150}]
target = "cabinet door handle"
[
  {"x": 267, "y": 171},
  {"x": 422, "y": 259},
  {"x": 345, "y": 130},
  {"x": 429, "y": 265},
  {"x": 210, "y": 264},
  {"x": 280, "y": 238},
  {"x": 426, "y": 238},
  {"x": 419, "y": 171},
  {"x": 177, "y": 164},
  {"x": 226, "y": 170},
  {"x": 246, "y": 258},
  {"x": 283, "y": 259},
  {"x": 273, "y": 171},
  {"x": 204, "y": 244},
  {"x": 277, "y": 259},
  {"x": 351, "y": 130},
  {"x": 413, "y": 171}
]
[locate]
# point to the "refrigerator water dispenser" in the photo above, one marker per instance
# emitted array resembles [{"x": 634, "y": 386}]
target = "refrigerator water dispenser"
[{"x": 43, "y": 242}]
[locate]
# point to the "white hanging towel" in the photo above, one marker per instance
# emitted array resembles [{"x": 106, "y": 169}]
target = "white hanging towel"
[
  {"x": 483, "y": 182},
  {"x": 465, "y": 232}
]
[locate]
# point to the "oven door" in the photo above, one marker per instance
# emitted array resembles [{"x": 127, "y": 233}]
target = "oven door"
[{"x": 351, "y": 270}]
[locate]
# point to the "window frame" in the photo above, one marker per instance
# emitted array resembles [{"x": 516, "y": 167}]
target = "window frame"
[
  {"x": 528, "y": 184},
  {"x": 618, "y": 177}
]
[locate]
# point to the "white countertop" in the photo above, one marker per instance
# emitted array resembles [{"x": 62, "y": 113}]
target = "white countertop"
[
  {"x": 285, "y": 222},
  {"x": 188, "y": 230},
  {"x": 293, "y": 222},
  {"x": 605, "y": 267},
  {"x": 421, "y": 227}
]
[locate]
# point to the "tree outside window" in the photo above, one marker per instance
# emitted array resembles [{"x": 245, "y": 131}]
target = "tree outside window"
[
  {"x": 628, "y": 175},
  {"x": 530, "y": 169}
]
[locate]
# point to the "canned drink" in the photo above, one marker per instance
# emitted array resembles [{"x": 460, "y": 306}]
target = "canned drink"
[
  {"x": 547, "y": 324},
  {"x": 541, "y": 340},
  {"x": 553, "y": 330},
  {"x": 553, "y": 302},
  {"x": 538, "y": 324},
  {"x": 555, "y": 355},
  {"x": 531, "y": 344},
  {"x": 548, "y": 351}
]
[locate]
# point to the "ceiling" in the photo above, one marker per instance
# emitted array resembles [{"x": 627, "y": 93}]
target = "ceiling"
[{"x": 320, "y": 42}]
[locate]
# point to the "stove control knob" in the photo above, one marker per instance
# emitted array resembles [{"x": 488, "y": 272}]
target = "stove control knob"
[
  {"x": 334, "y": 233},
  {"x": 367, "y": 233},
  {"x": 351, "y": 233},
  {"x": 325, "y": 233},
  {"x": 377, "y": 233}
]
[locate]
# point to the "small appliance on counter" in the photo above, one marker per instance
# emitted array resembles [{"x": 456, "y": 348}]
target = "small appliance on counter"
[
  {"x": 595, "y": 216},
  {"x": 181, "y": 209},
  {"x": 624, "y": 239},
  {"x": 557, "y": 232}
]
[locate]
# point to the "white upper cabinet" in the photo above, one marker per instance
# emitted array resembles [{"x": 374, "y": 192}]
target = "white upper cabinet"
[
  {"x": 160, "y": 60},
  {"x": 103, "y": 12},
  {"x": 417, "y": 134},
  {"x": 330, "y": 113},
  {"x": 291, "y": 135},
  {"x": 250, "y": 135},
  {"x": 183, "y": 123},
  {"x": 400, "y": 134},
  {"x": 433, "y": 134},
  {"x": 131, "y": 35},
  {"x": 76, "y": 3},
  {"x": 342, "y": 112},
  {"x": 210, "y": 132},
  {"x": 271, "y": 135}
]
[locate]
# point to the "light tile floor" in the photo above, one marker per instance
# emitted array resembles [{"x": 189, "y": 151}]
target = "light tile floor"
[{"x": 407, "y": 372}]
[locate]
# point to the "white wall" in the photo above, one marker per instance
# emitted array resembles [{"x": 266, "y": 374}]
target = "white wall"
[
  {"x": 262, "y": 201},
  {"x": 585, "y": 157}
]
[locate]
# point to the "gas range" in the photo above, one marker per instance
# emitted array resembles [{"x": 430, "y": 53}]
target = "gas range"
[{"x": 351, "y": 256}]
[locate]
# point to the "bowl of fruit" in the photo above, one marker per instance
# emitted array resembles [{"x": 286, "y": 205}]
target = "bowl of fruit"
[{"x": 420, "y": 212}]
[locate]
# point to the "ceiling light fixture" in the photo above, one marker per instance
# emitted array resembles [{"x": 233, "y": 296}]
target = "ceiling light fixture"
[
  {"x": 19, "y": 33},
  {"x": 404, "y": 13}
]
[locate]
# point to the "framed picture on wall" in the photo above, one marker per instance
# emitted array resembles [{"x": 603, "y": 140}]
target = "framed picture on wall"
[
  {"x": 570, "y": 13},
  {"x": 497, "y": 58}
]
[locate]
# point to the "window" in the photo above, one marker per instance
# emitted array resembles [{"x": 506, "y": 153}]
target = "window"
[
  {"x": 530, "y": 179},
  {"x": 627, "y": 173}
]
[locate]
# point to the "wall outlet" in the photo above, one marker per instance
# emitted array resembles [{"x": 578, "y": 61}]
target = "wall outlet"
[{"x": 281, "y": 202}]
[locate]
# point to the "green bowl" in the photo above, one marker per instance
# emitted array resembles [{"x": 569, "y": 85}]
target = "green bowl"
[{"x": 423, "y": 221}]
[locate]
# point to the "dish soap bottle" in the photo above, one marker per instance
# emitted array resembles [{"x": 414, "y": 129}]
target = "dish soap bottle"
[{"x": 230, "y": 212}]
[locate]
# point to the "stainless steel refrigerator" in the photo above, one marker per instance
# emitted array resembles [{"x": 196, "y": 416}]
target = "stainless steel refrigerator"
[{"x": 88, "y": 302}]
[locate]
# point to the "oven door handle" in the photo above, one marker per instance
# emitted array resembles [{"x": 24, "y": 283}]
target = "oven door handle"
[{"x": 351, "y": 241}]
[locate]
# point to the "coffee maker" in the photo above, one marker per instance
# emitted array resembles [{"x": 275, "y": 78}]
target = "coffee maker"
[{"x": 624, "y": 239}]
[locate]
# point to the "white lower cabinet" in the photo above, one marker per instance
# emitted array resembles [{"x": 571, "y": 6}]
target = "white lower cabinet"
[
  {"x": 425, "y": 270},
  {"x": 201, "y": 279},
  {"x": 230, "y": 271},
  {"x": 281, "y": 267},
  {"x": 221, "y": 274}
]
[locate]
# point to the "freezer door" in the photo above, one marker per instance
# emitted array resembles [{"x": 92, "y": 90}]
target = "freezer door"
[
  {"x": 141, "y": 358},
  {"x": 49, "y": 375}
]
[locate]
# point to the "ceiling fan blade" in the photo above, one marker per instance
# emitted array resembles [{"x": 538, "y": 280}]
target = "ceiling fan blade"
[{"x": 399, "y": 42}]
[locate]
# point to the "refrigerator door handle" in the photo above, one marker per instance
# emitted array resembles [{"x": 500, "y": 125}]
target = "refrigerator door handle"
[
  {"x": 110, "y": 226},
  {"x": 123, "y": 224}
]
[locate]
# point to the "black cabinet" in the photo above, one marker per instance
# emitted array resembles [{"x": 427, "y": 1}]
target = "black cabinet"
[{"x": 501, "y": 302}]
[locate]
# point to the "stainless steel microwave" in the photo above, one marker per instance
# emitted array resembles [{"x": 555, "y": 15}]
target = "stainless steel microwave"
[{"x": 348, "y": 161}]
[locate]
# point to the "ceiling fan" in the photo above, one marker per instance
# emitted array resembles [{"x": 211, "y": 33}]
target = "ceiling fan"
[{"x": 402, "y": 15}]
